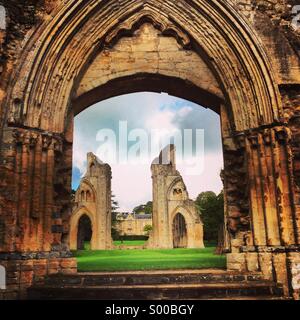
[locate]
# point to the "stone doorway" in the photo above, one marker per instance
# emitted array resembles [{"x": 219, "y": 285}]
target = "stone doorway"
[
  {"x": 179, "y": 231},
  {"x": 89, "y": 52},
  {"x": 84, "y": 233}
]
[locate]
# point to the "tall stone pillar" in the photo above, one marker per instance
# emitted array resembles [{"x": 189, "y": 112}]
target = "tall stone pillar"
[
  {"x": 160, "y": 237},
  {"x": 170, "y": 199},
  {"x": 32, "y": 202},
  {"x": 271, "y": 245},
  {"x": 93, "y": 199}
]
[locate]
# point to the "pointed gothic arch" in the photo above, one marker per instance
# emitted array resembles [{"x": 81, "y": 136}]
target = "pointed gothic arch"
[
  {"x": 62, "y": 51},
  {"x": 84, "y": 231},
  {"x": 75, "y": 226},
  {"x": 42, "y": 98},
  {"x": 180, "y": 232}
]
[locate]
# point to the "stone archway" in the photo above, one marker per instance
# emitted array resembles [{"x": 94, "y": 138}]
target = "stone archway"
[
  {"x": 76, "y": 228},
  {"x": 84, "y": 231},
  {"x": 203, "y": 51},
  {"x": 180, "y": 234}
]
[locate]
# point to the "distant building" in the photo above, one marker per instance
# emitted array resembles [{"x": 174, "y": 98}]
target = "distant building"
[{"x": 133, "y": 224}]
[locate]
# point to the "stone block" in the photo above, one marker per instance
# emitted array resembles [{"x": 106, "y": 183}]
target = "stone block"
[
  {"x": 69, "y": 271},
  {"x": 40, "y": 264},
  {"x": 265, "y": 262},
  {"x": 53, "y": 264},
  {"x": 236, "y": 261},
  {"x": 68, "y": 263},
  {"x": 26, "y": 277},
  {"x": 294, "y": 269},
  {"x": 26, "y": 266},
  {"x": 280, "y": 269},
  {"x": 52, "y": 271},
  {"x": 252, "y": 262}
]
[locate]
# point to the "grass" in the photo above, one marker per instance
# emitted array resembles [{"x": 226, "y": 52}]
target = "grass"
[
  {"x": 130, "y": 243},
  {"x": 127, "y": 260}
]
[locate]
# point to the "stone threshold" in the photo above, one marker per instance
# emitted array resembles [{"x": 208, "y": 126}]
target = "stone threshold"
[{"x": 162, "y": 272}]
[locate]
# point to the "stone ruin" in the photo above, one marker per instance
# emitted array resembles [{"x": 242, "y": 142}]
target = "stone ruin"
[
  {"x": 176, "y": 220},
  {"x": 92, "y": 202},
  {"x": 57, "y": 58}
]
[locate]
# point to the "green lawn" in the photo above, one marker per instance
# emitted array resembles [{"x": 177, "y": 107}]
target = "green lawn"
[
  {"x": 125, "y": 260},
  {"x": 130, "y": 243}
]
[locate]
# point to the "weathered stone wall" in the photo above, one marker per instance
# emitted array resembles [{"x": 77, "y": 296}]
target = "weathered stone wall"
[
  {"x": 48, "y": 53},
  {"x": 31, "y": 239},
  {"x": 23, "y": 270}
]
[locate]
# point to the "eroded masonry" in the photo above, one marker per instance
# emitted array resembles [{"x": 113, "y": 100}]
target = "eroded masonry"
[
  {"x": 92, "y": 207},
  {"x": 176, "y": 220},
  {"x": 239, "y": 58}
]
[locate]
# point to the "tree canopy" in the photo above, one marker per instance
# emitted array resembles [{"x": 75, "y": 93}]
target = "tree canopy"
[
  {"x": 143, "y": 208},
  {"x": 147, "y": 229},
  {"x": 114, "y": 223},
  {"x": 211, "y": 209}
]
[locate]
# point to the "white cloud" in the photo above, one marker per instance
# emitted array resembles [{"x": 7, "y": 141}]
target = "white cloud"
[
  {"x": 208, "y": 180},
  {"x": 132, "y": 184},
  {"x": 80, "y": 150},
  {"x": 163, "y": 119},
  {"x": 185, "y": 111}
]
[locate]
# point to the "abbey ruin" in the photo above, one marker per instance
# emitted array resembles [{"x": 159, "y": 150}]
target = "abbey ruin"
[
  {"x": 93, "y": 200},
  {"x": 238, "y": 58},
  {"x": 176, "y": 220}
]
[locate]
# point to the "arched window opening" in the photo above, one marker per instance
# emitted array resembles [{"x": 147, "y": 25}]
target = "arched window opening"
[
  {"x": 88, "y": 196},
  {"x": 177, "y": 192},
  {"x": 82, "y": 196}
]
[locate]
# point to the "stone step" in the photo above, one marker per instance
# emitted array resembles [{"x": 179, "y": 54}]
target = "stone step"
[
  {"x": 152, "y": 278},
  {"x": 230, "y": 290}
]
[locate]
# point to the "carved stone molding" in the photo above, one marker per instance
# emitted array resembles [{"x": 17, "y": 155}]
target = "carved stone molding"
[
  {"x": 165, "y": 25},
  {"x": 253, "y": 139},
  {"x": 86, "y": 28},
  {"x": 283, "y": 135}
]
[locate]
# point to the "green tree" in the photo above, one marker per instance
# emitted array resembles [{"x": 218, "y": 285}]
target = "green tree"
[
  {"x": 211, "y": 208},
  {"x": 147, "y": 229},
  {"x": 144, "y": 208},
  {"x": 114, "y": 222},
  {"x": 114, "y": 204}
]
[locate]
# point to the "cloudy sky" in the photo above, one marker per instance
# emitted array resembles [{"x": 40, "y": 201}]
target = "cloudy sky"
[{"x": 97, "y": 130}]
